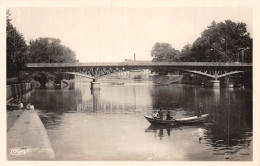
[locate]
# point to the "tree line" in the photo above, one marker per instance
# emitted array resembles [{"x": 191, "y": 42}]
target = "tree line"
[
  {"x": 41, "y": 50},
  {"x": 221, "y": 42}
]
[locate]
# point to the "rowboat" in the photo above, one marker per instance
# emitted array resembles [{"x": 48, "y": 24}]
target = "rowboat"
[
  {"x": 189, "y": 120},
  {"x": 12, "y": 106}
]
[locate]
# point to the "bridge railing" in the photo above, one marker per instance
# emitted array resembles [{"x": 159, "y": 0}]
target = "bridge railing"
[
  {"x": 70, "y": 64},
  {"x": 187, "y": 63},
  {"x": 113, "y": 64}
]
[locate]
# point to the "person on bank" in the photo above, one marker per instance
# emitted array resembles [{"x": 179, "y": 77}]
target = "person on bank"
[
  {"x": 32, "y": 107},
  {"x": 200, "y": 110},
  {"x": 21, "y": 105},
  {"x": 28, "y": 106}
]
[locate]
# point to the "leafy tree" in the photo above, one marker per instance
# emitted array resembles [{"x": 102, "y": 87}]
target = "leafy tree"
[
  {"x": 16, "y": 49},
  {"x": 163, "y": 52},
  {"x": 185, "y": 54},
  {"x": 49, "y": 50},
  {"x": 223, "y": 42}
]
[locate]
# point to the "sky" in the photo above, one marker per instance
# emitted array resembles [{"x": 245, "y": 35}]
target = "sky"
[{"x": 113, "y": 34}]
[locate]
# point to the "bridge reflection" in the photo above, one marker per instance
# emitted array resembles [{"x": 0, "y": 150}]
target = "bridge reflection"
[{"x": 94, "y": 104}]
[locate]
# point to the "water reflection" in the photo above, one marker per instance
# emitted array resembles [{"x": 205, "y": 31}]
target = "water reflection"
[
  {"x": 166, "y": 130},
  {"x": 95, "y": 94},
  {"x": 108, "y": 124}
]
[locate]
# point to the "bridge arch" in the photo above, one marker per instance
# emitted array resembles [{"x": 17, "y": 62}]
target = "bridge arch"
[
  {"x": 213, "y": 70},
  {"x": 215, "y": 75},
  {"x": 80, "y": 74}
]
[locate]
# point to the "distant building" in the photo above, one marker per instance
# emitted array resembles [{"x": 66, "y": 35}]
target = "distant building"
[
  {"x": 145, "y": 73},
  {"x": 124, "y": 73}
]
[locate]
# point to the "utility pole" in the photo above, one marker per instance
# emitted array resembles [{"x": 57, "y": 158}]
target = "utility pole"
[{"x": 242, "y": 55}]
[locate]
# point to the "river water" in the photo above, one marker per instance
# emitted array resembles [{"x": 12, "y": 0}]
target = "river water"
[{"x": 109, "y": 124}]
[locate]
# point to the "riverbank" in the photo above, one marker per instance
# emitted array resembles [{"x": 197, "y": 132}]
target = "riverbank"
[
  {"x": 12, "y": 116},
  {"x": 27, "y": 138}
]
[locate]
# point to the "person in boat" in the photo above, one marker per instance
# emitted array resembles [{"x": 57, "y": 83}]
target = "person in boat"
[
  {"x": 160, "y": 113},
  {"x": 156, "y": 114},
  {"x": 168, "y": 115},
  {"x": 200, "y": 110}
]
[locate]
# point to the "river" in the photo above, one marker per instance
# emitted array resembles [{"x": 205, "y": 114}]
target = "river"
[{"x": 109, "y": 124}]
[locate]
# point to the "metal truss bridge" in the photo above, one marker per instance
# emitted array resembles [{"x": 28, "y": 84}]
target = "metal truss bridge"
[{"x": 213, "y": 70}]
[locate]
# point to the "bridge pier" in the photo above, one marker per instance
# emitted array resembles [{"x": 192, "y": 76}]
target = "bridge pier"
[
  {"x": 215, "y": 83},
  {"x": 94, "y": 85}
]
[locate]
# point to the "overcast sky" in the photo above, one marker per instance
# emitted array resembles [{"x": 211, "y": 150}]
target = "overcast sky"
[{"x": 112, "y": 34}]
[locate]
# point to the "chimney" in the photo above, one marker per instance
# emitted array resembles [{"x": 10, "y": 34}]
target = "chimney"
[{"x": 134, "y": 57}]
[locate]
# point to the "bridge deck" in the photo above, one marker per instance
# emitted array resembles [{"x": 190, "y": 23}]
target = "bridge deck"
[{"x": 145, "y": 64}]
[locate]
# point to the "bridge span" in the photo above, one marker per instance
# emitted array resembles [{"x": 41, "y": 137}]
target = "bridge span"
[
  {"x": 139, "y": 64},
  {"x": 213, "y": 70}
]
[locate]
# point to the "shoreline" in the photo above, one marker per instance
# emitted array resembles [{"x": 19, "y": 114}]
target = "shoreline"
[{"x": 27, "y": 138}]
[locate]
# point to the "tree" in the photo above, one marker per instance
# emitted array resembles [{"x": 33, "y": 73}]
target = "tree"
[
  {"x": 16, "y": 49},
  {"x": 185, "y": 54},
  {"x": 49, "y": 50},
  {"x": 223, "y": 42},
  {"x": 163, "y": 52}
]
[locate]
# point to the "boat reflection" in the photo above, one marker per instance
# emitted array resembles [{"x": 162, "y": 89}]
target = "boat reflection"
[{"x": 163, "y": 130}]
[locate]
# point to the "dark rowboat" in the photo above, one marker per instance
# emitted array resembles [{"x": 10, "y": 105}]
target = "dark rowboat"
[
  {"x": 11, "y": 106},
  {"x": 189, "y": 120}
]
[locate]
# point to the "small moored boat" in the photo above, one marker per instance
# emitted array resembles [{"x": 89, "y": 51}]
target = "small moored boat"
[
  {"x": 189, "y": 120},
  {"x": 117, "y": 83},
  {"x": 12, "y": 106}
]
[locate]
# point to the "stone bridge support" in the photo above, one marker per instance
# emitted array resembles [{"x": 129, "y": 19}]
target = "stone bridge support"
[
  {"x": 95, "y": 85},
  {"x": 94, "y": 73},
  {"x": 215, "y": 83}
]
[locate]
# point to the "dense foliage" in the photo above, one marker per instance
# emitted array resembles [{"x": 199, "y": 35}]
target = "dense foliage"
[
  {"x": 49, "y": 50},
  {"x": 16, "y": 49},
  {"x": 164, "y": 52},
  {"x": 220, "y": 42},
  {"x": 185, "y": 53},
  {"x": 223, "y": 42},
  {"x": 41, "y": 50}
]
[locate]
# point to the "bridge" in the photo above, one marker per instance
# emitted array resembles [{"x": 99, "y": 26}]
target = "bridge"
[{"x": 93, "y": 71}]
